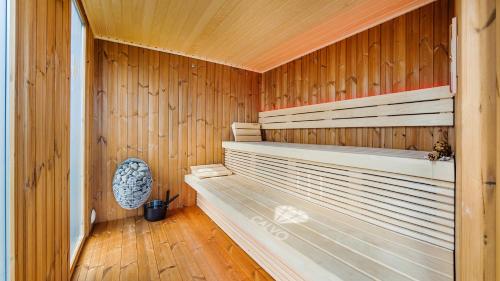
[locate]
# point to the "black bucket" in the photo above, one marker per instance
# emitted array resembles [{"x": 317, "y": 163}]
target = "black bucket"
[{"x": 156, "y": 210}]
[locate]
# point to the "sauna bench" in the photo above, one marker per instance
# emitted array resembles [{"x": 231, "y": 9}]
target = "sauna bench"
[{"x": 313, "y": 212}]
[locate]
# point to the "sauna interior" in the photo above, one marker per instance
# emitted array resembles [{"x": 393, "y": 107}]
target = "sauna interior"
[{"x": 249, "y": 140}]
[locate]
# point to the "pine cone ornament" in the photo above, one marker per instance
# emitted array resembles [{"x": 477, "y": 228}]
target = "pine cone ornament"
[
  {"x": 443, "y": 148},
  {"x": 441, "y": 151},
  {"x": 433, "y": 156}
]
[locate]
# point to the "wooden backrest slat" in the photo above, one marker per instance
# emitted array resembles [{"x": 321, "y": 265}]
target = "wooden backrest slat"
[
  {"x": 246, "y": 132},
  {"x": 425, "y": 107}
]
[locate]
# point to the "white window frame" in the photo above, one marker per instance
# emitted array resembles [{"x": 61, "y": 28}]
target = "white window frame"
[
  {"x": 75, "y": 254},
  {"x": 7, "y": 79},
  {"x": 3, "y": 141}
]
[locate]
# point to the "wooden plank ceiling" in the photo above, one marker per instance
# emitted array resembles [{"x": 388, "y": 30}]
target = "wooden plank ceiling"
[{"x": 256, "y": 35}]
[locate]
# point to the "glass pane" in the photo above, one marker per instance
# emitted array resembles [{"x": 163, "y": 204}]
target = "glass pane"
[{"x": 77, "y": 130}]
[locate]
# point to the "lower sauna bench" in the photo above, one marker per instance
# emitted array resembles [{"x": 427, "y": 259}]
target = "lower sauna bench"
[{"x": 295, "y": 239}]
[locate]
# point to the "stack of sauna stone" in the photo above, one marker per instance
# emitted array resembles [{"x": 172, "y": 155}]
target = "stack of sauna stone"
[{"x": 132, "y": 183}]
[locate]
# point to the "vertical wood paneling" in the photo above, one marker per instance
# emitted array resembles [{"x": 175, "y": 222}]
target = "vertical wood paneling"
[
  {"x": 351, "y": 83},
  {"x": 297, "y": 101},
  {"x": 341, "y": 90},
  {"x": 153, "y": 117},
  {"x": 406, "y": 53},
  {"x": 477, "y": 143},
  {"x": 321, "y": 133},
  {"x": 173, "y": 125},
  {"x": 241, "y": 95},
  {"x": 183, "y": 144},
  {"x": 441, "y": 67},
  {"x": 412, "y": 57},
  {"x": 66, "y": 26},
  {"x": 291, "y": 95},
  {"x": 132, "y": 100},
  {"x": 41, "y": 157},
  {"x": 90, "y": 143},
  {"x": 425, "y": 138},
  {"x": 209, "y": 121},
  {"x": 122, "y": 107},
  {"x": 374, "y": 68},
  {"x": 143, "y": 108},
  {"x": 331, "y": 86},
  {"x": 312, "y": 79},
  {"x": 284, "y": 97},
  {"x": 192, "y": 121},
  {"x": 399, "y": 74},
  {"x": 41, "y": 135},
  {"x": 219, "y": 104},
  {"x": 50, "y": 213},
  {"x": 386, "y": 70},
  {"x": 59, "y": 68},
  {"x": 278, "y": 100},
  {"x": 201, "y": 110},
  {"x": 497, "y": 198},
  {"x": 103, "y": 111},
  {"x": 112, "y": 119},
  {"x": 171, "y": 111},
  {"x": 132, "y": 124},
  {"x": 362, "y": 135},
  {"x": 163, "y": 137},
  {"x": 142, "y": 141},
  {"x": 304, "y": 91}
]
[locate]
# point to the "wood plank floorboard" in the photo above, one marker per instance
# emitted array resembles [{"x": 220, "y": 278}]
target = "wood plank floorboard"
[{"x": 187, "y": 245}]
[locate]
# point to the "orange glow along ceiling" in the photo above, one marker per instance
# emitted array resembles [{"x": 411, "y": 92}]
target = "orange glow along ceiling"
[{"x": 256, "y": 35}]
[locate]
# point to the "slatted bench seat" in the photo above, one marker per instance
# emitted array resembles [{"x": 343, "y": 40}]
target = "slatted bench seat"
[{"x": 318, "y": 220}]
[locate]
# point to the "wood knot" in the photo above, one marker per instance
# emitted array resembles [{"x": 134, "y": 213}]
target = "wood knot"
[
  {"x": 490, "y": 20},
  {"x": 102, "y": 140}
]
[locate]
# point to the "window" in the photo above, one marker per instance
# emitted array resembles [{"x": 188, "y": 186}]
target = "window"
[
  {"x": 3, "y": 135},
  {"x": 77, "y": 131},
  {"x": 5, "y": 71}
]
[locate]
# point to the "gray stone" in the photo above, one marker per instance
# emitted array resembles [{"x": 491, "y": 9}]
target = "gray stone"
[{"x": 132, "y": 183}]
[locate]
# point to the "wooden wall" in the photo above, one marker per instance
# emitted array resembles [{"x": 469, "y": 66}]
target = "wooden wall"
[
  {"x": 406, "y": 53},
  {"x": 42, "y": 140},
  {"x": 171, "y": 111},
  {"x": 477, "y": 142},
  {"x": 89, "y": 126},
  {"x": 497, "y": 200}
]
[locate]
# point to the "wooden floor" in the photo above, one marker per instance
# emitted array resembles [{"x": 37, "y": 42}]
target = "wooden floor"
[{"x": 185, "y": 246}]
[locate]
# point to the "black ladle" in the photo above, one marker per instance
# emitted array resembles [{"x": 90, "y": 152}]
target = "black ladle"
[{"x": 156, "y": 210}]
